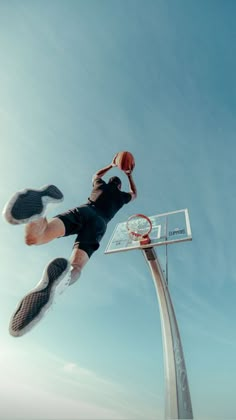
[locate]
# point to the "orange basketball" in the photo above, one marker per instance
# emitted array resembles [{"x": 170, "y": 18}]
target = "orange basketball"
[{"x": 125, "y": 161}]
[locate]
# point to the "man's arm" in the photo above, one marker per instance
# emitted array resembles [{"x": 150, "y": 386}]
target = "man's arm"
[
  {"x": 103, "y": 171},
  {"x": 133, "y": 189}
]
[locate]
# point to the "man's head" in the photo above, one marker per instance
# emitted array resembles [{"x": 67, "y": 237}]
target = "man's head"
[{"x": 115, "y": 180}]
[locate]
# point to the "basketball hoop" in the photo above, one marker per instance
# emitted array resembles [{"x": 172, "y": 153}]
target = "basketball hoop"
[{"x": 139, "y": 226}]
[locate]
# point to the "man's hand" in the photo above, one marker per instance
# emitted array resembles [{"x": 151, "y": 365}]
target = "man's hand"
[
  {"x": 113, "y": 163},
  {"x": 128, "y": 172}
]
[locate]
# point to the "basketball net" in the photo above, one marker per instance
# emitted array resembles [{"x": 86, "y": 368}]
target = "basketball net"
[{"x": 139, "y": 226}]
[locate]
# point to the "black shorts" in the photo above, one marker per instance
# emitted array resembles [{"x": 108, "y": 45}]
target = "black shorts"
[{"x": 85, "y": 222}]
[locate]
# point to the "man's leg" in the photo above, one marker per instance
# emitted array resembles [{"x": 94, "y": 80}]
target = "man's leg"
[
  {"x": 56, "y": 277},
  {"x": 34, "y": 305},
  {"x": 41, "y": 231},
  {"x": 78, "y": 260}
]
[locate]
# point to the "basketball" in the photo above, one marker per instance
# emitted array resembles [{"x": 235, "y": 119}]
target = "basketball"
[{"x": 125, "y": 161}]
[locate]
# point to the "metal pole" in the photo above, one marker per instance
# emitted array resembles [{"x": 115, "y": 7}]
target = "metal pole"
[
  {"x": 167, "y": 274},
  {"x": 178, "y": 401}
]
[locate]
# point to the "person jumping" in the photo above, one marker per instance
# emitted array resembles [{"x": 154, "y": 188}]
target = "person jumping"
[{"x": 87, "y": 221}]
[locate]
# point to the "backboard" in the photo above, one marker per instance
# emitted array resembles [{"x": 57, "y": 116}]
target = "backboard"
[{"x": 167, "y": 228}]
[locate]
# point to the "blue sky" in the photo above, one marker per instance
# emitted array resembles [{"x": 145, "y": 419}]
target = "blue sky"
[{"x": 79, "y": 81}]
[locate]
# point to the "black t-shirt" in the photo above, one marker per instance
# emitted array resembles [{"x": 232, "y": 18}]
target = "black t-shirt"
[{"x": 107, "y": 198}]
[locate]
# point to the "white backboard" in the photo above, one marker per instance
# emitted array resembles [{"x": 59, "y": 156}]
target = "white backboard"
[{"x": 167, "y": 228}]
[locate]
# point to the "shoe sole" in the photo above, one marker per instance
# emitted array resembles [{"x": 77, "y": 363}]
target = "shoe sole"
[
  {"x": 36, "y": 303},
  {"x": 28, "y": 205}
]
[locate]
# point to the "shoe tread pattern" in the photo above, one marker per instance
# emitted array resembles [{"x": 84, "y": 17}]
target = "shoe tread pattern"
[
  {"x": 33, "y": 303},
  {"x": 30, "y": 203}
]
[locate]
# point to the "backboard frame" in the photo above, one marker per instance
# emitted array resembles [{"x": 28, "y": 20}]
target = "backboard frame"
[{"x": 176, "y": 235}]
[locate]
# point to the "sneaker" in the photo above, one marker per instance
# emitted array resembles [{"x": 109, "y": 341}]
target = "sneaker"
[
  {"x": 28, "y": 205},
  {"x": 34, "y": 305}
]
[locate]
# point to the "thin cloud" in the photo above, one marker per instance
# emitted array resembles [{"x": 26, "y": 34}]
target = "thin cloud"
[{"x": 41, "y": 382}]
